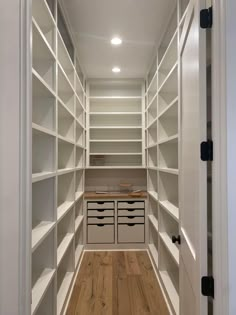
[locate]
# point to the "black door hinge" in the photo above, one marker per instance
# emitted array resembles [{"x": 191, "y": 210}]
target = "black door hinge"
[
  {"x": 208, "y": 286},
  {"x": 206, "y": 18},
  {"x": 207, "y": 150}
]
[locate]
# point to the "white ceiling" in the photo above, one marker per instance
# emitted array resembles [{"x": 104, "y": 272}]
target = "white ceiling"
[{"x": 139, "y": 23}]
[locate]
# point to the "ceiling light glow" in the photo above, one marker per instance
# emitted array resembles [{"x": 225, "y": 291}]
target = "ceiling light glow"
[
  {"x": 116, "y": 70},
  {"x": 116, "y": 41}
]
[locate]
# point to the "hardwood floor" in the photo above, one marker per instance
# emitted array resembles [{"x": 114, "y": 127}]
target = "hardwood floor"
[{"x": 116, "y": 283}]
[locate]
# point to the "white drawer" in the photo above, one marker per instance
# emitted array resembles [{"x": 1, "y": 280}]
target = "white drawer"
[
  {"x": 101, "y": 234},
  {"x": 130, "y": 219},
  {"x": 100, "y": 205},
  {"x": 100, "y": 220},
  {"x": 130, "y": 204},
  {"x": 133, "y": 233},
  {"x": 100, "y": 213},
  {"x": 130, "y": 212}
]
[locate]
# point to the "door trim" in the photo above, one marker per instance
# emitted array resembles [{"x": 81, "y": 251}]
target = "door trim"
[
  {"x": 25, "y": 157},
  {"x": 220, "y": 195}
]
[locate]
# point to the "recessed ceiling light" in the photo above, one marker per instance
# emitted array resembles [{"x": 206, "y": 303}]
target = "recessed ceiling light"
[
  {"x": 116, "y": 41},
  {"x": 116, "y": 70}
]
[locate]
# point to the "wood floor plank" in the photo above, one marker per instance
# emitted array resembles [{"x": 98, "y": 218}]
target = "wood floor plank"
[
  {"x": 154, "y": 295},
  {"x": 116, "y": 283},
  {"x": 103, "y": 300},
  {"x": 131, "y": 263}
]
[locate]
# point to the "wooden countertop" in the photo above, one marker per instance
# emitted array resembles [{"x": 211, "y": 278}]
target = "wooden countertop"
[{"x": 93, "y": 195}]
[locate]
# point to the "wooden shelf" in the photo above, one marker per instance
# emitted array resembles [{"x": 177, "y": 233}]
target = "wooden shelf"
[
  {"x": 172, "y": 139},
  {"x": 153, "y": 194},
  {"x": 78, "y": 222},
  {"x": 154, "y": 254},
  {"x": 166, "y": 278},
  {"x": 63, "y": 291},
  {"x": 58, "y": 156},
  {"x": 170, "y": 208},
  {"x": 78, "y": 254},
  {"x": 36, "y": 177},
  {"x": 173, "y": 249},
  {"x": 115, "y": 97},
  {"x": 43, "y": 130},
  {"x": 63, "y": 209},
  {"x": 154, "y": 221},
  {"x": 40, "y": 231},
  {"x": 63, "y": 246},
  {"x": 40, "y": 287},
  {"x": 112, "y": 195},
  {"x": 172, "y": 171}
]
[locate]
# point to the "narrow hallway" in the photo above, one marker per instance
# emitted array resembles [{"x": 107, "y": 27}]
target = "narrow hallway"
[{"x": 117, "y": 283}]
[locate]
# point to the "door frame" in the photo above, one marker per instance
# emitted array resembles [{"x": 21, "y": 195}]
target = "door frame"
[
  {"x": 224, "y": 167},
  {"x": 15, "y": 169}
]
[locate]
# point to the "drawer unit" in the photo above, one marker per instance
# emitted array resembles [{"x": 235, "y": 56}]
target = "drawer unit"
[
  {"x": 100, "y": 213},
  {"x": 131, "y": 219},
  {"x": 100, "y": 233},
  {"x": 130, "y": 212},
  {"x": 100, "y": 205},
  {"x": 131, "y": 233},
  {"x": 101, "y": 220},
  {"x": 130, "y": 204}
]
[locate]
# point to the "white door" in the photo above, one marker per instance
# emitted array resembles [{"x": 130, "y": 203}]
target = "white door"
[{"x": 193, "y": 178}]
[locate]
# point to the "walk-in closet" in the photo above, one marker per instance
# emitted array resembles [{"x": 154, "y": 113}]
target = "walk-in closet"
[{"x": 119, "y": 200}]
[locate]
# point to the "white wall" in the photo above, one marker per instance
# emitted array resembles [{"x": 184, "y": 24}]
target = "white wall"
[
  {"x": 13, "y": 280},
  {"x": 231, "y": 146}
]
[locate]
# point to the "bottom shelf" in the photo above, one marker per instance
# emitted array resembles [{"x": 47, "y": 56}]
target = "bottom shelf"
[
  {"x": 63, "y": 290},
  {"x": 40, "y": 287},
  {"x": 154, "y": 254},
  {"x": 78, "y": 253},
  {"x": 166, "y": 278}
]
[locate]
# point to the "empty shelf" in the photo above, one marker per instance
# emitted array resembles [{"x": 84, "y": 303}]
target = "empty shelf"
[
  {"x": 170, "y": 288},
  {"x": 170, "y": 208},
  {"x": 63, "y": 246},
  {"x": 154, "y": 221},
  {"x": 63, "y": 208},
  {"x": 40, "y": 288},
  {"x": 39, "y": 232},
  {"x": 172, "y": 248}
]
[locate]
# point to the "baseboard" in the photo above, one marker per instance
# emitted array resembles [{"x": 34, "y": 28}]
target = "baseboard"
[{"x": 111, "y": 247}]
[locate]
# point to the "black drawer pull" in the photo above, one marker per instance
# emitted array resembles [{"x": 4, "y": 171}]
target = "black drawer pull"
[
  {"x": 100, "y": 225},
  {"x": 130, "y": 210},
  {"x": 131, "y": 217},
  {"x": 100, "y": 218},
  {"x": 130, "y": 202},
  {"x": 100, "y": 202},
  {"x": 100, "y": 210},
  {"x": 131, "y": 224}
]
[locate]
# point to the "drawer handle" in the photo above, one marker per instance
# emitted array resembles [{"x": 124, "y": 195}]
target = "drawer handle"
[
  {"x": 100, "y": 202},
  {"x": 131, "y": 217},
  {"x": 131, "y": 224},
  {"x": 130, "y": 202},
  {"x": 100, "y": 210},
  {"x": 100, "y": 218},
  {"x": 130, "y": 210},
  {"x": 100, "y": 225}
]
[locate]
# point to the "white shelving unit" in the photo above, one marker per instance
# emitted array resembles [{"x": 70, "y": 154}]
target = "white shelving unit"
[
  {"x": 120, "y": 130},
  {"x": 116, "y": 123},
  {"x": 58, "y": 161},
  {"x": 162, "y": 150}
]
